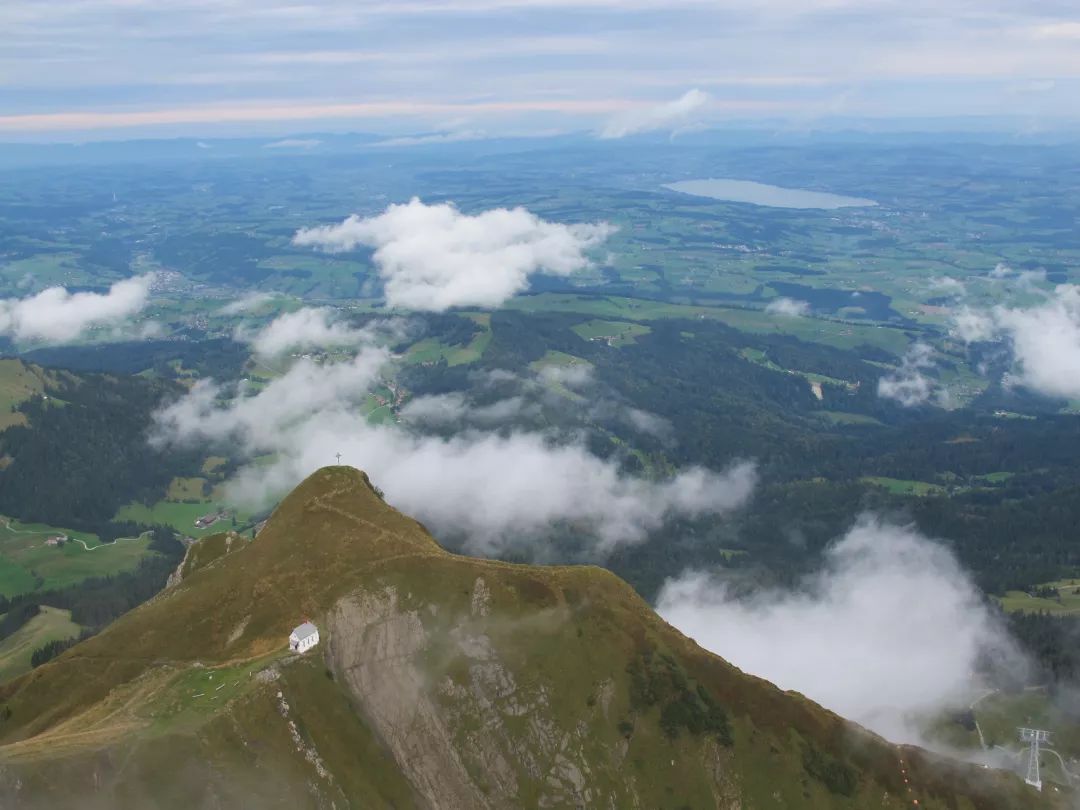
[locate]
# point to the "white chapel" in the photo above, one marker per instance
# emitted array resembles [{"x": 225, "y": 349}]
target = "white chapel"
[{"x": 304, "y": 637}]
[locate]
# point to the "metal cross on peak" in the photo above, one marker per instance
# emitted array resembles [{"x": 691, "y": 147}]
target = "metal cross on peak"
[{"x": 339, "y": 458}]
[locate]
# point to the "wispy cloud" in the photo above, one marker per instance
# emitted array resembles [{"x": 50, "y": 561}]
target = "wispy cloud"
[
  {"x": 911, "y": 384},
  {"x": 539, "y": 398},
  {"x": 247, "y": 303},
  {"x": 261, "y": 112},
  {"x": 87, "y": 65},
  {"x": 1062, "y": 29},
  {"x": 947, "y": 285},
  {"x": 670, "y": 116}
]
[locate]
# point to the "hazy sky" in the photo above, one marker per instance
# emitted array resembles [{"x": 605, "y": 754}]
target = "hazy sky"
[{"x": 485, "y": 66}]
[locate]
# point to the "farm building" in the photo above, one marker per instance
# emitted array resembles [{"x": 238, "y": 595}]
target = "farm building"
[
  {"x": 304, "y": 637},
  {"x": 208, "y": 520}
]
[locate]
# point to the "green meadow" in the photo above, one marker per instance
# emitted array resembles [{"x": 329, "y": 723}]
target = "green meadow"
[
  {"x": 181, "y": 516},
  {"x": 27, "y": 563},
  {"x": 1067, "y": 601},
  {"x": 900, "y": 486}
]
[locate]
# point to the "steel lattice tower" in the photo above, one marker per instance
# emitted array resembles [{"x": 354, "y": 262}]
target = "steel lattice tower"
[{"x": 1033, "y": 737}]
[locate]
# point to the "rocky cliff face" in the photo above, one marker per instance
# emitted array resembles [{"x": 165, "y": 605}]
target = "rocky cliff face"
[{"x": 468, "y": 739}]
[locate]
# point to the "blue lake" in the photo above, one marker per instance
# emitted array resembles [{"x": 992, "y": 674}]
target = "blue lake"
[{"x": 747, "y": 191}]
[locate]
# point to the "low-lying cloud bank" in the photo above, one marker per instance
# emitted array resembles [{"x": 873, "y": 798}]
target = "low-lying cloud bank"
[
  {"x": 887, "y": 634},
  {"x": 57, "y": 316},
  {"x": 453, "y": 136},
  {"x": 433, "y": 257},
  {"x": 259, "y": 423},
  {"x": 672, "y": 115},
  {"x": 497, "y": 489},
  {"x": 541, "y": 397},
  {"x": 293, "y": 143},
  {"x": 454, "y": 410},
  {"x": 1045, "y": 339}
]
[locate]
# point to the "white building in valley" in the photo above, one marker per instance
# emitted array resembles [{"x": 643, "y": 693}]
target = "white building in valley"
[{"x": 304, "y": 637}]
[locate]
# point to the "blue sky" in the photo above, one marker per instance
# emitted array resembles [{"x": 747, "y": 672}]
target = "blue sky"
[{"x": 80, "y": 68}]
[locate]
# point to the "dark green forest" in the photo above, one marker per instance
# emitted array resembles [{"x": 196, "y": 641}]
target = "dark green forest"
[{"x": 92, "y": 429}]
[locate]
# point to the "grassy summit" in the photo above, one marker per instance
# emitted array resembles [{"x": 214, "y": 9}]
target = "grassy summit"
[{"x": 440, "y": 681}]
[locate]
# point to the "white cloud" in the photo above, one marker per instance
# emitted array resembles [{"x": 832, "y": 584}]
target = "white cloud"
[
  {"x": 650, "y": 423},
  {"x": 908, "y": 385},
  {"x": 501, "y": 490},
  {"x": 293, "y": 143},
  {"x": 948, "y": 286},
  {"x": 888, "y": 633},
  {"x": 528, "y": 65},
  {"x": 1029, "y": 280},
  {"x": 788, "y": 307},
  {"x": 260, "y": 422},
  {"x": 55, "y": 315},
  {"x": 306, "y": 329},
  {"x": 147, "y": 330},
  {"x": 1024, "y": 281},
  {"x": 572, "y": 376},
  {"x": 672, "y": 115},
  {"x": 1065, "y": 29},
  {"x": 1046, "y": 342},
  {"x": 433, "y": 257},
  {"x": 496, "y": 490},
  {"x": 1044, "y": 338},
  {"x": 503, "y": 411},
  {"x": 438, "y": 410},
  {"x": 247, "y": 303},
  {"x": 972, "y": 325}
]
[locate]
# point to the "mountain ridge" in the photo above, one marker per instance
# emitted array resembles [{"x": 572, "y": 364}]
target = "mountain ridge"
[{"x": 441, "y": 681}]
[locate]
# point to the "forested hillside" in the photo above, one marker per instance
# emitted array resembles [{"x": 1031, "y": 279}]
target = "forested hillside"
[{"x": 91, "y": 429}]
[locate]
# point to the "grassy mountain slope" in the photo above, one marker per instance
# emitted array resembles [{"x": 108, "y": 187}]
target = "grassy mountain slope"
[
  {"x": 17, "y": 650},
  {"x": 441, "y": 681},
  {"x": 18, "y": 382}
]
